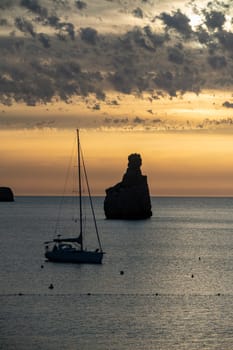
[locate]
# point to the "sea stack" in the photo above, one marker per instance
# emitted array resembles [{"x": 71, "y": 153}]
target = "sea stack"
[
  {"x": 130, "y": 198},
  {"x": 6, "y": 194}
]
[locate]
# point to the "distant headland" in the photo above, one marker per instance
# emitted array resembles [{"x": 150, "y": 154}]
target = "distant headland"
[
  {"x": 6, "y": 194},
  {"x": 130, "y": 198}
]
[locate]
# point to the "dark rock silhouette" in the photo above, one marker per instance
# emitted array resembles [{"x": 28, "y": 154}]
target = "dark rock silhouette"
[
  {"x": 6, "y": 194},
  {"x": 130, "y": 198}
]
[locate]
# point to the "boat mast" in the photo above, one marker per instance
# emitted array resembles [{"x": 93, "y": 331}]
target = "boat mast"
[{"x": 80, "y": 192}]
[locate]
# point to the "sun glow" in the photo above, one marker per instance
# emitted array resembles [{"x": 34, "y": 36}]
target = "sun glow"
[{"x": 195, "y": 20}]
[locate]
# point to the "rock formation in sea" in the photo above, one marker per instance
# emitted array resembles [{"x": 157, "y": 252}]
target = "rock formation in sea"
[
  {"x": 130, "y": 198},
  {"x": 6, "y": 194}
]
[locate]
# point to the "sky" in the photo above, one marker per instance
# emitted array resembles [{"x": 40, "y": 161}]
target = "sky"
[{"x": 144, "y": 76}]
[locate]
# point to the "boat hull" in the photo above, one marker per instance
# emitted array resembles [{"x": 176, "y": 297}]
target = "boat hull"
[{"x": 77, "y": 257}]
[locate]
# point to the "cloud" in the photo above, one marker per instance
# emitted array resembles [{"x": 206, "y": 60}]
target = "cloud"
[
  {"x": 225, "y": 39},
  {"x": 4, "y": 4},
  {"x": 3, "y": 22},
  {"x": 176, "y": 55},
  {"x": 89, "y": 35},
  {"x": 66, "y": 28},
  {"x": 24, "y": 26},
  {"x": 165, "y": 81},
  {"x": 177, "y": 21},
  {"x": 158, "y": 124},
  {"x": 203, "y": 36},
  {"x": 227, "y": 104},
  {"x": 217, "y": 62},
  {"x": 53, "y": 21},
  {"x": 45, "y": 57},
  {"x": 183, "y": 80},
  {"x": 81, "y": 5},
  {"x": 144, "y": 38},
  {"x": 39, "y": 81},
  {"x": 34, "y": 6},
  {"x": 44, "y": 39},
  {"x": 138, "y": 12},
  {"x": 214, "y": 19}
]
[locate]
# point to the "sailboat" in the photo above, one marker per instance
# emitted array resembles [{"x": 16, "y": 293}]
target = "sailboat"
[{"x": 72, "y": 250}]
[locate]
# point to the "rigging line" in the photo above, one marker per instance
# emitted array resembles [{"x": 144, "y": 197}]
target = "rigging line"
[
  {"x": 65, "y": 186},
  {"x": 89, "y": 194},
  {"x": 84, "y": 224},
  {"x": 84, "y": 211},
  {"x": 80, "y": 191},
  {"x": 84, "y": 202},
  {"x": 74, "y": 193}
]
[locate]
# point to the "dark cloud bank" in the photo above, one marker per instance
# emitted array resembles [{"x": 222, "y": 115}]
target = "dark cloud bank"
[{"x": 63, "y": 60}]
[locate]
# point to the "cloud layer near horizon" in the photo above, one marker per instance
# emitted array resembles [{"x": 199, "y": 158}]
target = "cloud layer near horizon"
[{"x": 49, "y": 55}]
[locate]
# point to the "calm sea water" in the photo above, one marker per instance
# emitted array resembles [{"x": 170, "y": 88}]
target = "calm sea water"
[{"x": 176, "y": 291}]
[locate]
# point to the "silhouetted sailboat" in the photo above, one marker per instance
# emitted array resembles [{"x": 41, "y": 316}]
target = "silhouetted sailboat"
[{"x": 71, "y": 250}]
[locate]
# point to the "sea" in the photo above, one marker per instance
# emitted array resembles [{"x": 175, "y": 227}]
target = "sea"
[{"x": 166, "y": 283}]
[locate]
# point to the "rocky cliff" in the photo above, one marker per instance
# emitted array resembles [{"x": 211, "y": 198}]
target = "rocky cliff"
[
  {"x": 6, "y": 194},
  {"x": 130, "y": 198}
]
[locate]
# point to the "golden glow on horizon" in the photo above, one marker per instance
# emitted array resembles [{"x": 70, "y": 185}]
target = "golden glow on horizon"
[
  {"x": 34, "y": 158},
  {"x": 34, "y": 162},
  {"x": 174, "y": 111}
]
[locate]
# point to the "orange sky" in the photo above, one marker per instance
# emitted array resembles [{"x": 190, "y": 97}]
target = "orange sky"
[
  {"x": 179, "y": 157},
  {"x": 34, "y": 162}
]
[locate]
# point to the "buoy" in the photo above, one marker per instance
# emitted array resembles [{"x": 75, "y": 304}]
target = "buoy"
[
  {"x": 42, "y": 266},
  {"x": 192, "y": 276},
  {"x": 51, "y": 286},
  {"x": 122, "y": 272}
]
